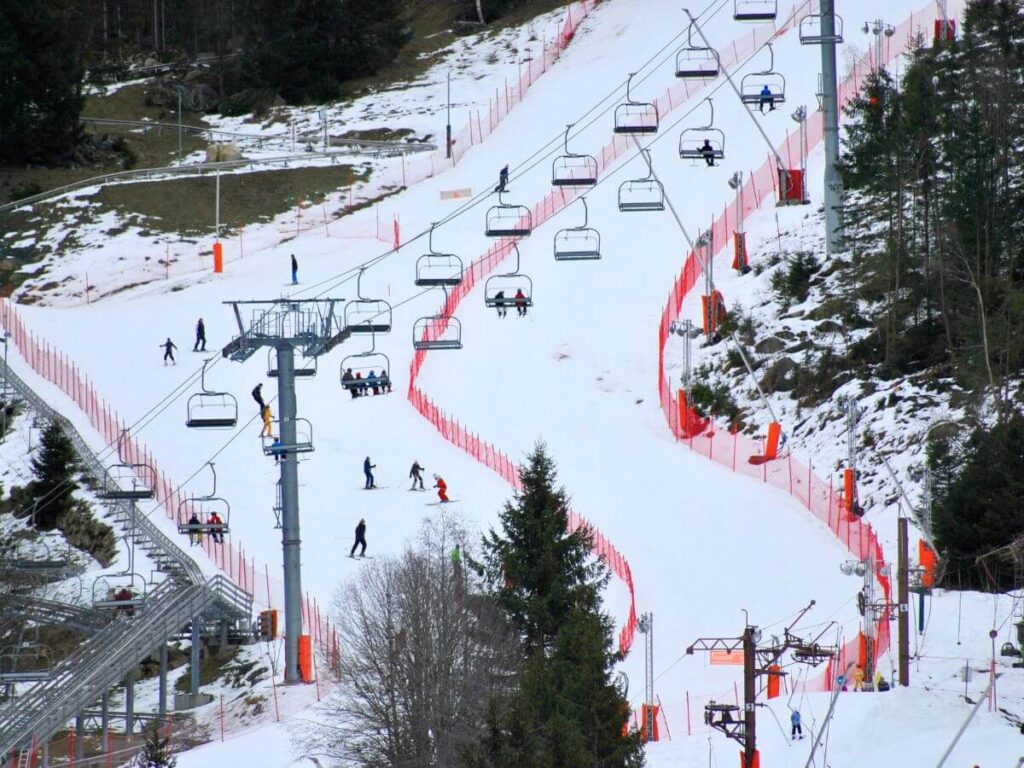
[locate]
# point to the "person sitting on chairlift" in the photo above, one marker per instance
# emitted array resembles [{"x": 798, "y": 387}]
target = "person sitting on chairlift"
[
  {"x": 360, "y": 384},
  {"x": 216, "y": 527},
  {"x": 520, "y": 302},
  {"x": 766, "y": 97},
  {"x": 195, "y": 533},
  {"x": 708, "y": 152},
  {"x": 346, "y": 381},
  {"x": 499, "y": 303},
  {"x": 371, "y": 382},
  {"x": 384, "y": 380}
]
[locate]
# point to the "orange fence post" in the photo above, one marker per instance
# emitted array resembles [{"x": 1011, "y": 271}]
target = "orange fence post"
[{"x": 218, "y": 258}]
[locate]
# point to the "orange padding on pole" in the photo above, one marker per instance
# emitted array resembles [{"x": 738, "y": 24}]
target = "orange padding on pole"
[
  {"x": 218, "y": 258},
  {"x": 739, "y": 251},
  {"x": 774, "y": 680},
  {"x": 756, "y": 763},
  {"x": 306, "y": 658},
  {"x": 653, "y": 709},
  {"x": 862, "y": 651},
  {"x": 848, "y": 490},
  {"x": 929, "y": 562},
  {"x": 772, "y": 449},
  {"x": 712, "y": 320}
]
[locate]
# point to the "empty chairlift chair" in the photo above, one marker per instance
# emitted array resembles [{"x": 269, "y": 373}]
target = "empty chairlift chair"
[
  {"x": 703, "y": 142},
  {"x": 366, "y": 315},
  {"x": 21, "y": 664},
  {"x": 766, "y": 87},
  {"x": 366, "y": 371},
  {"x": 580, "y": 243},
  {"x": 811, "y": 32},
  {"x": 755, "y": 10},
  {"x": 440, "y": 331},
  {"x": 512, "y": 290},
  {"x": 212, "y": 513},
  {"x": 508, "y": 220},
  {"x": 208, "y": 409},
  {"x": 438, "y": 269},
  {"x": 305, "y": 368},
  {"x": 646, "y": 194},
  {"x": 696, "y": 62},
  {"x": 635, "y": 116},
  {"x": 127, "y": 480},
  {"x": 573, "y": 170}
]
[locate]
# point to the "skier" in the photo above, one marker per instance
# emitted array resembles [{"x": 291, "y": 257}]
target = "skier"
[
  {"x": 216, "y": 527},
  {"x": 414, "y": 473},
  {"x": 797, "y": 730},
  {"x": 295, "y": 267},
  {"x": 257, "y": 395},
  {"x": 169, "y": 347},
  {"x": 267, "y": 419},
  {"x": 520, "y": 298},
  {"x": 371, "y": 382},
  {"x": 442, "y": 489},
  {"x": 367, "y": 466},
  {"x": 858, "y": 678},
  {"x": 348, "y": 382},
  {"x": 708, "y": 152},
  {"x": 502, "y": 179},
  {"x": 360, "y": 539},
  {"x": 499, "y": 302},
  {"x": 766, "y": 97},
  {"x": 195, "y": 532},
  {"x": 200, "y": 337}
]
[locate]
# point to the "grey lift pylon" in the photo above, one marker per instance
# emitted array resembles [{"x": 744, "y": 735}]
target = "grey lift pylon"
[{"x": 287, "y": 325}]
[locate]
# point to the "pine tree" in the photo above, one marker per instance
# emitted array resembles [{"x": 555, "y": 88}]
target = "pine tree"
[
  {"x": 567, "y": 711},
  {"x": 54, "y": 467},
  {"x": 156, "y": 752}
]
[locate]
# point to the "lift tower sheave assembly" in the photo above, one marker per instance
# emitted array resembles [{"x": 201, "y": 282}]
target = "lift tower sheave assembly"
[{"x": 313, "y": 327}]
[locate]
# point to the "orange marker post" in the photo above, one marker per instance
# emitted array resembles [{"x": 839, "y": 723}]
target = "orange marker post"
[{"x": 218, "y": 258}]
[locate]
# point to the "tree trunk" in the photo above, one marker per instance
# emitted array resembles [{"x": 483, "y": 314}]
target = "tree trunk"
[{"x": 480, "y": 11}]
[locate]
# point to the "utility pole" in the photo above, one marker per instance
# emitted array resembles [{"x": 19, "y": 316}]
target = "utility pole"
[
  {"x": 180, "y": 87},
  {"x": 216, "y": 207},
  {"x": 830, "y": 115},
  {"x": 903, "y": 600},
  {"x": 758, "y": 661},
  {"x": 646, "y": 627},
  {"x": 286, "y": 325},
  {"x": 448, "y": 127}
]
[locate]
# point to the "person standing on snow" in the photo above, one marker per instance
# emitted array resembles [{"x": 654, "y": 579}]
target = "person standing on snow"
[
  {"x": 797, "y": 730},
  {"x": 169, "y": 347},
  {"x": 360, "y": 539},
  {"x": 414, "y": 473},
  {"x": 367, "y": 467},
  {"x": 442, "y": 488},
  {"x": 200, "y": 337},
  {"x": 295, "y": 271}
]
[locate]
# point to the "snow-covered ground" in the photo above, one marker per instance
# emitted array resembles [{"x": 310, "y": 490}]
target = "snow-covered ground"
[{"x": 580, "y": 373}]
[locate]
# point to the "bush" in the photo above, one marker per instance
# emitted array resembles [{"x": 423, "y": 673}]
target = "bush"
[
  {"x": 25, "y": 189},
  {"x": 791, "y": 283}
]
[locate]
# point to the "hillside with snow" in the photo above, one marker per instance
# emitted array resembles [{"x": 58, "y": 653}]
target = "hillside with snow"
[{"x": 580, "y": 372}]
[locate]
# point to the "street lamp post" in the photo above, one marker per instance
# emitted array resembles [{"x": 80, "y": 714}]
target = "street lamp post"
[
  {"x": 448, "y": 126},
  {"x": 179, "y": 89}
]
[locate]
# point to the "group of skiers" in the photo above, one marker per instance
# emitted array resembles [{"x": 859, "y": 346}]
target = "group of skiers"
[
  {"x": 502, "y": 304},
  {"x": 200, "y": 346},
  {"x": 379, "y": 384}
]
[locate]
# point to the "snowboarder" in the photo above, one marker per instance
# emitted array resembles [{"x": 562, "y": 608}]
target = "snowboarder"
[
  {"x": 257, "y": 395},
  {"x": 295, "y": 267},
  {"x": 216, "y": 527},
  {"x": 708, "y": 152},
  {"x": 520, "y": 298},
  {"x": 195, "y": 532},
  {"x": 442, "y": 488},
  {"x": 169, "y": 347},
  {"x": 348, "y": 382},
  {"x": 360, "y": 539},
  {"x": 797, "y": 730},
  {"x": 766, "y": 97},
  {"x": 367, "y": 467},
  {"x": 499, "y": 303},
  {"x": 268, "y": 417},
  {"x": 414, "y": 473},
  {"x": 502, "y": 179},
  {"x": 200, "y": 337}
]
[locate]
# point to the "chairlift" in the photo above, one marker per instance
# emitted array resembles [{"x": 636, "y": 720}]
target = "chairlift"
[
  {"x": 440, "y": 331},
  {"x": 703, "y": 142},
  {"x": 366, "y": 315},
  {"x": 366, "y": 370},
  {"x": 511, "y": 289},
  {"x": 126, "y": 596},
  {"x": 697, "y": 62},
  {"x": 306, "y": 368},
  {"x": 209, "y": 409},
  {"x": 635, "y": 116},
  {"x": 573, "y": 170},
  {"x": 19, "y": 664},
  {"x": 580, "y": 243},
  {"x": 753, "y": 85},
  {"x": 274, "y": 445},
  {"x": 645, "y": 194},
  {"x": 508, "y": 219},
  {"x": 755, "y": 10},
  {"x": 811, "y": 30},
  {"x": 126, "y": 480},
  {"x": 204, "y": 508},
  {"x": 434, "y": 268}
]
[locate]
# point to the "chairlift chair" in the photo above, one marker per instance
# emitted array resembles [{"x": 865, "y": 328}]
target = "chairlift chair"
[
  {"x": 274, "y": 445},
  {"x": 573, "y": 170},
  {"x": 645, "y": 194},
  {"x": 508, "y": 220},
  {"x": 696, "y": 62},
  {"x": 752, "y": 85},
  {"x": 512, "y": 289},
  {"x": 356, "y": 370},
  {"x": 755, "y": 10},
  {"x": 24, "y": 665},
  {"x": 437, "y": 332},
  {"x": 580, "y": 243},
  {"x": 366, "y": 315},
  {"x": 635, "y": 116},
  {"x": 126, "y": 595},
  {"x": 204, "y": 507},
  {"x": 811, "y": 30},
  {"x": 306, "y": 368},
  {"x": 691, "y": 140},
  {"x": 128, "y": 481},
  {"x": 209, "y": 409},
  {"x": 437, "y": 269}
]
